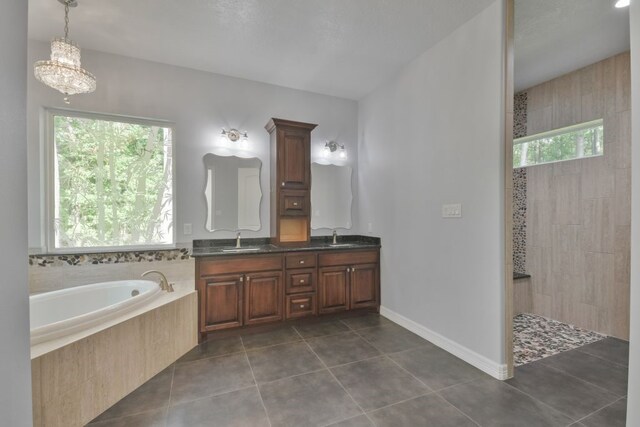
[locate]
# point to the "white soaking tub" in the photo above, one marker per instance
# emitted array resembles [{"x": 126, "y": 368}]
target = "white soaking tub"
[{"x": 67, "y": 311}]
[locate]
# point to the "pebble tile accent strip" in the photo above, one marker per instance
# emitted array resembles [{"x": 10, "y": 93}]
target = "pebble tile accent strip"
[
  {"x": 520, "y": 220},
  {"x": 108, "y": 258},
  {"x": 520, "y": 188},
  {"x": 520, "y": 115},
  {"x": 536, "y": 337}
]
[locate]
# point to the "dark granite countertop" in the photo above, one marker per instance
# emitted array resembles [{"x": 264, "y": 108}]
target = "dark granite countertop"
[
  {"x": 517, "y": 276},
  {"x": 223, "y": 247}
]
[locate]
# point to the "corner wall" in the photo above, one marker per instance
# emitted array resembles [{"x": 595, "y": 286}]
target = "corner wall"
[
  {"x": 15, "y": 366},
  {"x": 442, "y": 277},
  {"x": 633, "y": 410}
]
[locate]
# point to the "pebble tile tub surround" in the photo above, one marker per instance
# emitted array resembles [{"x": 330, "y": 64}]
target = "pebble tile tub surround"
[{"x": 108, "y": 257}]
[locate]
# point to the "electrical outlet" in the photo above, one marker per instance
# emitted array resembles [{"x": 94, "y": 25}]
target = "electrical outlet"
[
  {"x": 186, "y": 229},
  {"x": 452, "y": 211}
]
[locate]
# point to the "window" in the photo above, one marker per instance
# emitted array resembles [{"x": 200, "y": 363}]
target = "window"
[
  {"x": 574, "y": 142},
  {"x": 109, "y": 183}
]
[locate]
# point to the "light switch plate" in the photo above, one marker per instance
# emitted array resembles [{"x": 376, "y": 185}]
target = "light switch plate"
[
  {"x": 452, "y": 210},
  {"x": 186, "y": 229}
]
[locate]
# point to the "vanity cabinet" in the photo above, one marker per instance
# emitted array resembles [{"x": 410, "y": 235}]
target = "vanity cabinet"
[
  {"x": 221, "y": 302},
  {"x": 255, "y": 289},
  {"x": 300, "y": 284},
  {"x": 348, "y": 280},
  {"x": 239, "y": 290},
  {"x": 290, "y": 180}
]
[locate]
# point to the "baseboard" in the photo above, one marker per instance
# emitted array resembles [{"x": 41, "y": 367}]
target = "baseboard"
[{"x": 496, "y": 370}]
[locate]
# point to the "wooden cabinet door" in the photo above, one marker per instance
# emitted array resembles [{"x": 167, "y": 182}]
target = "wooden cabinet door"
[
  {"x": 294, "y": 158},
  {"x": 364, "y": 286},
  {"x": 221, "y": 302},
  {"x": 263, "y": 297},
  {"x": 333, "y": 289}
]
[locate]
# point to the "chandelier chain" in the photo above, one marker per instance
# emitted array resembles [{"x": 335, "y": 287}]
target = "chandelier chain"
[{"x": 66, "y": 20}]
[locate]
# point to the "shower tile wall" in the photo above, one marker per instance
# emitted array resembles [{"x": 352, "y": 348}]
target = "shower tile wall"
[{"x": 579, "y": 211}]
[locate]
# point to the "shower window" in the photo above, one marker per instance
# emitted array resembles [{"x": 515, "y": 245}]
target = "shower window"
[
  {"x": 109, "y": 182},
  {"x": 573, "y": 142}
]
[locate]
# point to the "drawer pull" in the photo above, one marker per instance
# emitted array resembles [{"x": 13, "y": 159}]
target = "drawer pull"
[
  {"x": 301, "y": 280},
  {"x": 300, "y": 301}
]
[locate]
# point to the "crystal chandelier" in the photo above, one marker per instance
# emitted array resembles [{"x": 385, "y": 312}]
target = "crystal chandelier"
[{"x": 63, "y": 71}]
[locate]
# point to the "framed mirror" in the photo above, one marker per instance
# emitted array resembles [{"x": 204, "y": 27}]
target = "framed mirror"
[
  {"x": 331, "y": 196},
  {"x": 232, "y": 193}
]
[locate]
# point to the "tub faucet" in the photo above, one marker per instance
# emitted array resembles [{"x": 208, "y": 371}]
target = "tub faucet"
[
  {"x": 238, "y": 240},
  {"x": 335, "y": 237},
  {"x": 164, "y": 283}
]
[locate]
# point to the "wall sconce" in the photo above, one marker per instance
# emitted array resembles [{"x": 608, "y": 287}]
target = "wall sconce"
[
  {"x": 234, "y": 135},
  {"x": 332, "y": 147}
]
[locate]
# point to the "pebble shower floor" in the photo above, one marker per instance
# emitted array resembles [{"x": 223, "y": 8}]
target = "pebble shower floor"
[{"x": 536, "y": 337}]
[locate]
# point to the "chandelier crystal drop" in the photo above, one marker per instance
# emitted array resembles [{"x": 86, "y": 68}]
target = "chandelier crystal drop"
[{"x": 63, "y": 71}]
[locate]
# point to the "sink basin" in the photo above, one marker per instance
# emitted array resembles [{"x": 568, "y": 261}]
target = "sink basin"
[{"x": 241, "y": 250}]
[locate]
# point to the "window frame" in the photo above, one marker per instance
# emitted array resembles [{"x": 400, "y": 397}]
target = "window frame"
[
  {"x": 47, "y": 180},
  {"x": 561, "y": 131}
]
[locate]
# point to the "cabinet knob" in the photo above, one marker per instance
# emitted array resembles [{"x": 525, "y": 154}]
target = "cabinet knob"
[
  {"x": 348, "y": 269},
  {"x": 295, "y": 203},
  {"x": 248, "y": 278},
  {"x": 301, "y": 280},
  {"x": 301, "y": 305},
  {"x": 282, "y": 183},
  {"x": 353, "y": 269},
  {"x": 242, "y": 279},
  {"x": 302, "y": 262}
]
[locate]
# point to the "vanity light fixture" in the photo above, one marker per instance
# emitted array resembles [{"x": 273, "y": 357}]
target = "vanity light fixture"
[
  {"x": 63, "y": 71},
  {"x": 234, "y": 135},
  {"x": 332, "y": 147},
  {"x": 622, "y": 3}
]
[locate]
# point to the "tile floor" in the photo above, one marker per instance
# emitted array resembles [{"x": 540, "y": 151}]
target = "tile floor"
[{"x": 366, "y": 371}]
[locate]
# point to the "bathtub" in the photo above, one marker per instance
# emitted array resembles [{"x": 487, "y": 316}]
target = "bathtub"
[{"x": 67, "y": 311}]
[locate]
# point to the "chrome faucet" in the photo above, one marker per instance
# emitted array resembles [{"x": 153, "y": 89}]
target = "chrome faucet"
[
  {"x": 335, "y": 237},
  {"x": 238, "y": 240},
  {"x": 164, "y": 283}
]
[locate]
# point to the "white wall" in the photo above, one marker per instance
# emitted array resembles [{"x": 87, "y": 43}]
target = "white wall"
[
  {"x": 15, "y": 364},
  {"x": 433, "y": 135},
  {"x": 200, "y": 104},
  {"x": 633, "y": 411}
]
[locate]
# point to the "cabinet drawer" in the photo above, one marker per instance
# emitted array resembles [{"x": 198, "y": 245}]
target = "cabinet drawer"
[
  {"x": 301, "y": 260},
  {"x": 294, "y": 203},
  {"x": 239, "y": 264},
  {"x": 301, "y": 305},
  {"x": 347, "y": 258},
  {"x": 302, "y": 280}
]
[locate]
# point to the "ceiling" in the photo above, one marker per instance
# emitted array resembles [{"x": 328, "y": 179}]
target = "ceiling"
[
  {"x": 554, "y": 37},
  {"x": 344, "y": 48}
]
